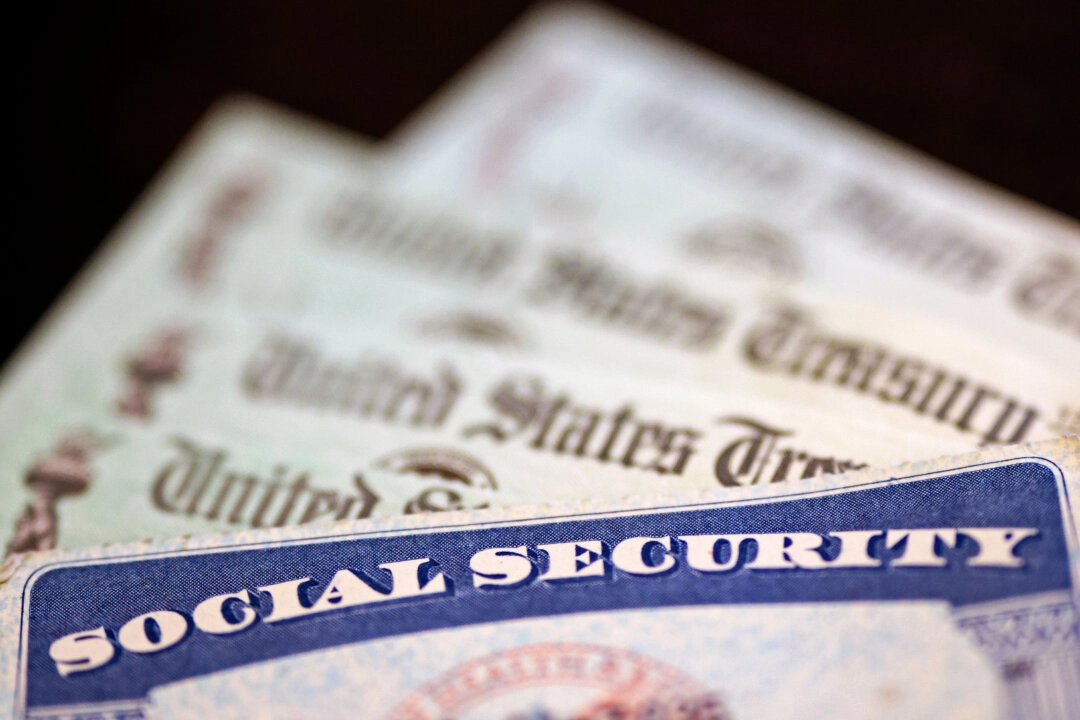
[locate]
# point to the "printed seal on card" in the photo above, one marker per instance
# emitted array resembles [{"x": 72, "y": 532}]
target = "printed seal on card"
[{"x": 562, "y": 681}]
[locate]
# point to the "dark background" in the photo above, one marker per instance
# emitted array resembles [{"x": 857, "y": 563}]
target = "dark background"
[{"x": 102, "y": 92}]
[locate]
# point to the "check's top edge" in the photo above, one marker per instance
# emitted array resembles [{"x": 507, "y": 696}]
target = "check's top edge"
[
  {"x": 233, "y": 116},
  {"x": 567, "y": 19}
]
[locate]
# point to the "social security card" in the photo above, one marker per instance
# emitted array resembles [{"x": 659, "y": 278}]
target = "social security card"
[{"x": 939, "y": 589}]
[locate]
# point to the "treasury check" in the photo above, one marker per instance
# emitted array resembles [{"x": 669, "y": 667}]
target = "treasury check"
[
  {"x": 586, "y": 122},
  {"x": 92, "y": 481},
  {"x": 317, "y": 239},
  {"x": 265, "y": 427},
  {"x": 943, "y": 588},
  {"x": 599, "y": 307}
]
